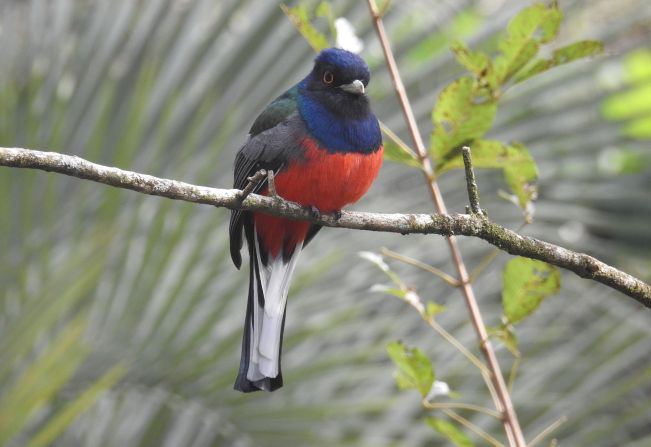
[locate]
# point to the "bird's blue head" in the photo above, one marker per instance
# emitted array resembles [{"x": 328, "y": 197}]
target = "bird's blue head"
[{"x": 338, "y": 81}]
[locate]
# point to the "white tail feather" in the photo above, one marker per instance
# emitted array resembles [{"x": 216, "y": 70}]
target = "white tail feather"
[{"x": 275, "y": 278}]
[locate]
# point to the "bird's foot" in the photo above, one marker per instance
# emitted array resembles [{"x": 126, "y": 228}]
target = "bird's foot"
[
  {"x": 337, "y": 214},
  {"x": 252, "y": 183},
  {"x": 315, "y": 214}
]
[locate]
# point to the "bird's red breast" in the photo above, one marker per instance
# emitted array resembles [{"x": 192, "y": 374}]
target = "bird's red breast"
[{"x": 327, "y": 180}]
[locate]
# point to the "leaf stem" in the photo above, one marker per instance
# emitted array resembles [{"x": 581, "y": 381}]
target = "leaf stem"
[
  {"x": 473, "y": 428},
  {"x": 421, "y": 265},
  {"x": 546, "y": 432},
  {"x": 503, "y": 403},
  {"x": 461, "y": 406}
]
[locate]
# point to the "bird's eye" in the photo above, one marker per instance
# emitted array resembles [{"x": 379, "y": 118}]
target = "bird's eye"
[{"x": 328, "y": 78}]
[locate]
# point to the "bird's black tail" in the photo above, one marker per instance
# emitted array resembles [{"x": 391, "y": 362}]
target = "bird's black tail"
[{"x": 249, "y": 376}]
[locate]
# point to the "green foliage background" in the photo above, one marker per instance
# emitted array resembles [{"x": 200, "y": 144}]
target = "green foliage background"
[{"x": 120, "y": 314}]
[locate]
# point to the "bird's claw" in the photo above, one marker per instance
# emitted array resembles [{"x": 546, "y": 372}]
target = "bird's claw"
[
  {"x": 337, "y": 214},
  {"x": 315, "y": 214}
]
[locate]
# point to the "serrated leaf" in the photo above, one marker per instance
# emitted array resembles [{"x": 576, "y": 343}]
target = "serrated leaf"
[
  {"x": 450, "y": 432},
  {"x": 414, "y": 368},
  {"x": 531, "y": 27},
  {"x": 300, "y": 17},
  {"x": 525, "y": 284},
  {"x": 552, "y": 23},
  {"x": 567, "y": 54},
  {"x": 459, "y": 117},
  {"x": 476, "y": 62}
]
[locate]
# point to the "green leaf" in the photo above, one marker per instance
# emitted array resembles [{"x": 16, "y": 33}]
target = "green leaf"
[
  {"x": 551, "y": 23},
  {"x": 525, "y": 284},
  {"x": 505, "y": 334},
  {"x": 414, "y": 368},
  {"x": 325, "y": 10},
  {"x": 628, "y": 104},
  {"x": 394, "y": 153},
  {"x": 639, "y": 129},
  {"x": 42, "y": 380},
  {"x": 520, "y": 174},
  {"x": 464, "y": 24},
  {"x": 459, "y": 117},
  {"x": 569, "y": 53},
  {"x": 475, "y": 61},
  {"x": 532, "y": 26},
  {"x": 383, "y": 288},
  {"x": 434, "y": 309},
  {"x": 638, "y": 66},
  {"x": 64, "y": 418},
  {"x": 300, "y": 17},
  {"x": 450, "y": 432},
  {"x": 479, "y": 64},
  {"x": 633, "y": 104},
  {"x": 397, "y": 150}
]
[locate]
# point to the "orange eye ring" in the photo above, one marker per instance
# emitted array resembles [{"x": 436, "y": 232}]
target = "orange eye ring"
[{"x": 328, "y": 78}]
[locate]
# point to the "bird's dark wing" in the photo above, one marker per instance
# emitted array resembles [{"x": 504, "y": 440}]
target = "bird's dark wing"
[{"x": 274, "y": 140}]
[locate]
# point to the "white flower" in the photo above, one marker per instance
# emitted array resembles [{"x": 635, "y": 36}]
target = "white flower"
[
  {"x": 375, "y": 259},
  {"x": 439, "y": 388},
  {"x": 412, "y": 298},
  {"x": 346, "y": 37}
]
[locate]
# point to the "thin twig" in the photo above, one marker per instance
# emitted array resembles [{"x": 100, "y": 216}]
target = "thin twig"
[
  {"x": 547, "y": 431},
  {"x": 504, "y": 403},
  {"x": 457, "y": 344},
  {"x": 473, "y": 190},
  {"x": 472, "y": 427},
  {"x": 399, "y": 142},
  {"x": 252, "y": 183},
  {"x": 271, "y": 184},
  {"x": 485, "y": 262},
  {"x": 417, "y": 303},
  {"x": 421, "y": 265},
  {"x": 460, "y": 224},
  {"x": 460, "y": 406},
  {"x": 514, "y": 372}
]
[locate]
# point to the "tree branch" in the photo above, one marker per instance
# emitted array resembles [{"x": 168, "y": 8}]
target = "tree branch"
[{"x": 447, "y": 225}]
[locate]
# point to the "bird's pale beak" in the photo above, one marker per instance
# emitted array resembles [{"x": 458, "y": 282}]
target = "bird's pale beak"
[{"x": 356, "y": 87}]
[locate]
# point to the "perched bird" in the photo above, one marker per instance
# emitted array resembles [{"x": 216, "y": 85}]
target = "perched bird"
[{"x": 324, "y": 145}]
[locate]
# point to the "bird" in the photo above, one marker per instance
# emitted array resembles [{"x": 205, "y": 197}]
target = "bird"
[{"x": 324, "y": 146}]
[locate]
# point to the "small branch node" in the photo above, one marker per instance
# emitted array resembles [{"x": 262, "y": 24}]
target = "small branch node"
[
  {"x": 473, "y": 190},
  {"x": 271, "y": 184},
  {"x": 254, "y": 180}
]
